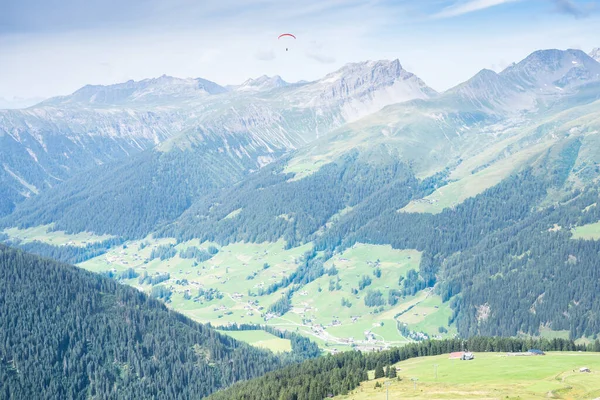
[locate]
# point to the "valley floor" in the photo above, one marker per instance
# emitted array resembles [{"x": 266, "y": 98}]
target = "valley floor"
[{"x": 240, "y": 270}]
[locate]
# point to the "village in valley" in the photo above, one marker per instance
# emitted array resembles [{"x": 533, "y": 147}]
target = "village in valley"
[{"x": 231, "y": 287}]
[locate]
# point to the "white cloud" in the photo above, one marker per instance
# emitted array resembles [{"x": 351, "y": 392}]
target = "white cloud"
[
  {"x": 462, "y": 8},
  {"x": 228, "y": 47},
  {"x": 265, "y": 55},
  {"x": 322, "y": 58},
  {"x": 315, "y": 51}
]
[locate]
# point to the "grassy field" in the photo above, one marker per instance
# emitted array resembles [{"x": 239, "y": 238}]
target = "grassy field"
[
  {"x": 588, "y": 232},
  {"x": 472, "y": 184},
  {"x": 492, "y": 376},
  {"x": 548, "y": 333},
  {"x": 241, "y": 269},
  {"x": 227, "y": 272},
  {"x": 322, "y": 306},
  {"x": 315, "y": 302},
  {"x": 261, "y": 339},
  {"x": 44, "y": 234},
  {"x": 238, "y": 270},
  {"x": 428, "y": 316}
]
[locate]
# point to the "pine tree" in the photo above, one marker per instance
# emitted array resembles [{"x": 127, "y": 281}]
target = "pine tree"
[
  {"x": 393, "y": 373},
  {"x": 379, "y": 373}
]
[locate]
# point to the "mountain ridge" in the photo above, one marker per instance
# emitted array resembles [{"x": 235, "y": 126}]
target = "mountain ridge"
[
  {"x": 138, "y": 91},
  {"x": 249, "y": 132},
  {"x": 103, "y": 124}
]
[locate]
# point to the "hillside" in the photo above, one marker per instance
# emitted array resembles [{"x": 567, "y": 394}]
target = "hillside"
[
  {"x": 490, "y": 375},
  {"x": 67, "y": 333},
  {"x": 193, "y": 119},
  {"x": 411, "y": 222},
  {"x": 340, "y": 375}
]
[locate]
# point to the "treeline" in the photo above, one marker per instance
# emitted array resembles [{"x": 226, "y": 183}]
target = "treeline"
[
  {"x": 339, "y": 374},
  {"x": 302, "y": 347},
  {"x": 137, "y": 195},
  {"x": 167, "y": 251},
  {"x": 273, "y": 207},
  {"x": 282, "y": 305},
  {"x": 129, "y": 273},
  {"x": 67, "y": 253},
  {"x": 67, "y": 333},
  {"x": 164, "y": 252},
  {"x": 147, "y": 279},
  {"x": 310, "y": 268}
]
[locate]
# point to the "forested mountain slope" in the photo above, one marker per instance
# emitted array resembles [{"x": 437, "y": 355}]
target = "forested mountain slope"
[
  {"x": 461, "y": 142},
  {"x": 131, "y": 198},
  {"x": 42, "y": 146},
  {"x": 498, "y": 242},
  {"x": 68, "y": 333},
  {"x": 191, "y": 125}
]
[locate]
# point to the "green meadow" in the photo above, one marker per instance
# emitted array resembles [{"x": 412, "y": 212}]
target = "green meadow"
[
  {"x": 239, "y": 270},
  {"x": 588, "y": 232},
  {"x": 491, "y": 376}
]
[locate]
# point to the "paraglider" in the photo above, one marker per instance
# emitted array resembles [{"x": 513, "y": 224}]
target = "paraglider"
[{"x": 285, "y": 35}]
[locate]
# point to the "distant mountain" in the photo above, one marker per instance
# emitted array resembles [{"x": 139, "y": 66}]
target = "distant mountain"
[
  {"x": 554, "y": 70},
  {"x": 229, "y": 133},
  {"x": 165, "y": 89},
  {"x": 90, "y": 336},
  {"x": 261, "y": 83},
  {"x": 363, "y": 88},
  {"x": 45, "y": 145},
  {"x": 539, "y": 80},
  {"x": 595, "y": 54}
]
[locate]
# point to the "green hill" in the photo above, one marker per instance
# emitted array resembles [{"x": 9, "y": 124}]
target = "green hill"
[
  {"x": 68, "y": 333},
  {"x": 490, "y": 376}
]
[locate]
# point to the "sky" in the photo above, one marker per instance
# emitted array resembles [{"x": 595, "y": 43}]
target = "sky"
[{"x": 54, "y": 47}]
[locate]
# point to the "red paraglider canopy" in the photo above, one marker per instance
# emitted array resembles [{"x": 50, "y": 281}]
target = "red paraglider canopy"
[{"x": 286, "y": 34}]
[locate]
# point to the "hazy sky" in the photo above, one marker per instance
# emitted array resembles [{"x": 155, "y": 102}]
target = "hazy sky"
[{"x": 52, "y": 47}]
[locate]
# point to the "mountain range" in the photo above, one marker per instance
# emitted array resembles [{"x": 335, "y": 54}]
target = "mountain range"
[
  {"x": 251, "y": 124},
  {"x": 487, "y": 180},
  {"x": 244, "y": 130}
]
